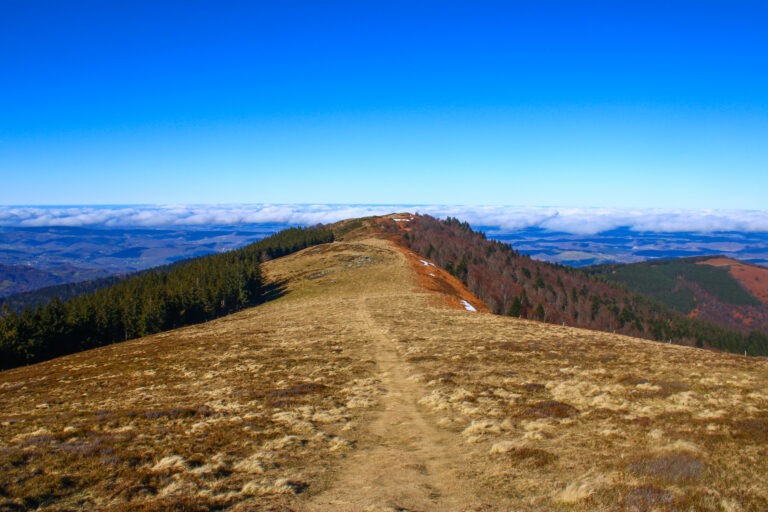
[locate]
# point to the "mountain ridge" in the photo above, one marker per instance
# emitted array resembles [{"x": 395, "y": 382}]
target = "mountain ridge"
[
  {"x": 517, "y": 285},
  {"x": 198, "y": 289},
  {"x": 360, "y": 388}
]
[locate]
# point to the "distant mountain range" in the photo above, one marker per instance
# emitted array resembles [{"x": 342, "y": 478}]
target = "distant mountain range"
[{"x": 15, "y": 279}]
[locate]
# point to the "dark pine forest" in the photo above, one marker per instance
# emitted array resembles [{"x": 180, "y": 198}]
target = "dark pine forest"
[{"x": 187, "y": 292}]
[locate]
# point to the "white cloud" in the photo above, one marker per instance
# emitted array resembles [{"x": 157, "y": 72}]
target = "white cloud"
[{"x": 584, "y": 221}]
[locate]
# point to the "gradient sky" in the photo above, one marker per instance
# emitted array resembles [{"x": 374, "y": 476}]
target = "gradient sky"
[{"x": 644, "y": 104}]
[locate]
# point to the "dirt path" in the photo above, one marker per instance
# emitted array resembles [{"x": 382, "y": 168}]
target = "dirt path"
[{"x": 405, "y": 462}]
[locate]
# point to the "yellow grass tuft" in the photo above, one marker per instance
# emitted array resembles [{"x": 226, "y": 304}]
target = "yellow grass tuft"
[
  {"x": 579, "y": 490},
  {"x": 170, "y": 463}
]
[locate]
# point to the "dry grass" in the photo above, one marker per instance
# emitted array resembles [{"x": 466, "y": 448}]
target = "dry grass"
[
  {"x": 263, "y": 409},
  {"x": 657, "y": 427},
  {"x": 244, "y": 410}
]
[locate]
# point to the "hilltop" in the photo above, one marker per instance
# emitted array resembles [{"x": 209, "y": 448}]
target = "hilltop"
[
  {"x": 370, "y": 385},
  {"x": 725, "y": 291}
]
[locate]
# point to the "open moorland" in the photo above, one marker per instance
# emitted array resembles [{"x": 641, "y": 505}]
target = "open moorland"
[{"x": 370, "y": 385}]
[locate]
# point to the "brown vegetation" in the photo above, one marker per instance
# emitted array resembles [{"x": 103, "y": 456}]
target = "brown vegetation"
[
  {"x": 360, "y": 390},
  {"x": 516, "y": 285},
  {"x": 744, "y": 318},
  {"x": 752, "y": 277}
]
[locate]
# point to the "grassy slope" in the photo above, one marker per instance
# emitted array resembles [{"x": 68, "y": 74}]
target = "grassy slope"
[{"x": 284, "y": 404}]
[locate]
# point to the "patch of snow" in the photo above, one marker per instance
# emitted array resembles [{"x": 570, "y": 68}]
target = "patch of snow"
[
  {"x": 402, "y": 220},
  {"x": 427, "y": 263},
  {"x": 468, "y": 306}
]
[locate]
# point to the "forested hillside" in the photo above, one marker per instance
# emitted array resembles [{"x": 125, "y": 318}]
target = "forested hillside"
[
  {"x": 661, "y": 279},
  {"x": 187, "y": 292},
  {"x": 693, "y": 287},
  {"x": 514, "y": 284}
]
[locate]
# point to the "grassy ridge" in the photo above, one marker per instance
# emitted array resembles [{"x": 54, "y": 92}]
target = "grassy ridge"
[
  {"x": 361, "y": 374},
  {"x": 187, "y": 292}
]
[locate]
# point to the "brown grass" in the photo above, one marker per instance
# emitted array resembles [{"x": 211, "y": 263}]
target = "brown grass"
[
  {"x": 267, "y": 409},
  {"x": 171, "y": 419}
]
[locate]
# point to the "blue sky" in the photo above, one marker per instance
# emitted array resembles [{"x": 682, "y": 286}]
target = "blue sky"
[{"x": 638, "y": 104}]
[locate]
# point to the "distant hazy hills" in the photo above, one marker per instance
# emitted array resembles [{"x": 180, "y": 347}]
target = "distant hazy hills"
[
  {"x": 626, "y": 245},
  {"x": 65, "y": 291},
  {"x": 36, "y": 257},
  {"x": 721, "y": 290},
  {"x": 22, "y": 278}
]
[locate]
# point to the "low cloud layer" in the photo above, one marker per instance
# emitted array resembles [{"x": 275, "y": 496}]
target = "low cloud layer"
[{"x": 582, "y": 221}]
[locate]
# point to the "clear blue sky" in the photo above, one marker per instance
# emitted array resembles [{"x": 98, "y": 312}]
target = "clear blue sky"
[{"x": 572, "y": 103}]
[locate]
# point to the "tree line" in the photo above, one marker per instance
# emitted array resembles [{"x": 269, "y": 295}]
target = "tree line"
[
  {"x": 514, "y": 284},
  {"x": 186, "y": 292}
]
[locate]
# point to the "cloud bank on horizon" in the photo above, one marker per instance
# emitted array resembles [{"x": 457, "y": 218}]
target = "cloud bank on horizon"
[{"x": 580, "y": 221}]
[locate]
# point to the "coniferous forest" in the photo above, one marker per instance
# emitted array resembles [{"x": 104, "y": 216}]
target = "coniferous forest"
[
  {"x": 187, "y": 292},
  {"x": 514, "y": 284}
]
